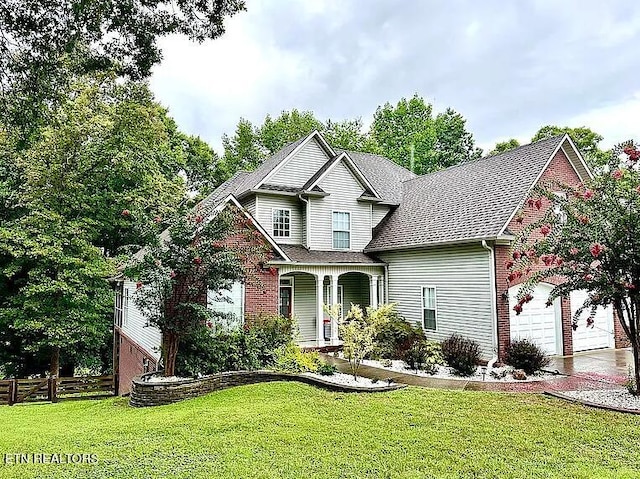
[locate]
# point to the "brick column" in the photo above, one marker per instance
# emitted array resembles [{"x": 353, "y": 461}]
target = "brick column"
[{"x": 567, "y": 330}]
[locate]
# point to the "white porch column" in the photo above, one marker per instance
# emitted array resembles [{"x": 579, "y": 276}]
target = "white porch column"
[
  {"x": 334, "y": 300},
  {"x": 319, "y": 309},
  {"x": 373, "y": 291}
]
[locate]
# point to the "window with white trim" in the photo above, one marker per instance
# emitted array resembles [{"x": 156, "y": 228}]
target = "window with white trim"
[
  {"x": 281, "y": 223},
  {"x": 341, "y": 226},
  {"x": 230, "y": 305},
  {"x": 557, "y": 210},
  {"x": 429, "y": 308}
]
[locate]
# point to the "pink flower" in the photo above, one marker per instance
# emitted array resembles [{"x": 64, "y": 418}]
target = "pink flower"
[
  {"x": 559, "y": 261},
  {"x": 511, "y": 277},
  {"x": 587, "y": 195},
  {"x": 531, "y": 254},
  {"x": 617, "y": 174},
  {"x": 545, "y": 230},
  {"x": 638, "y": 189},
  {"x": 126, "y": 213},
  {"x": 630, "y": 286},
  {"x": 518, "y": 308},
  {"x": 519, "y": 219},
  {"x": 590, "y": 322},
  {"x": 538, "y": 203},
  {"x": 209, "y": 324},
  {"x": 547, "y": 259},
  {"x": 198, "y": 219},
  {"x": 138, "y": 285},
  {"x": 516, "y": 255},
  {"x": 574, "y": 251},
  {"x": 530, "y": 202},
  {"x": 596, "y": 249},
  {"x": 172, "y": 274},
  {"x": 157, "y": 219},
  {"x": 508, "y": 264},
  {"x": 197, "y": 260},
  {"x": 583, "y": 219},
  {"x": 588, "y": 277},
  {"x": 528, "y": 298}
]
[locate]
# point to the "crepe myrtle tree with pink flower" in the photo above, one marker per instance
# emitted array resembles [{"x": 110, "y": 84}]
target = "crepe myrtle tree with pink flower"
[
  {"x": 194, "y": 255},
  {"x": 589, "y": 238}
]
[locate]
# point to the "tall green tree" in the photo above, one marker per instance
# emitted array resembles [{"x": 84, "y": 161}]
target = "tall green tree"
[
  {"x": 242, "y": 151},
  {"x": 408, "y": 134},
  {"x": 288, "y": 127},
  {"x": 585, "y": 139}
]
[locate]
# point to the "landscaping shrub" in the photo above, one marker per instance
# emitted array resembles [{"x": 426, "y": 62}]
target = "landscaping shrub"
[
  {"x": 461, "y": 354},
  {"x": 253, "y": 347},
  {"x": 525, "y": 355},
  {"x": 291, "y": 359},
  {"x": 327, "y": 369},
  {"x": 395, "y": 337},
  {"x": 424, "y": 355}
]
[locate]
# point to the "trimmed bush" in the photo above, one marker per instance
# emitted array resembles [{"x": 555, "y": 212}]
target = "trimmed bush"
[
  {"x": 395, "y": 337},
  {"x": 327, "y": 369},
  {"x": 291, "y": 359},
  {"x": 461, "y": 354},
  {"x": 525, "y": 355},
  {"x": 424, "y": 355}
]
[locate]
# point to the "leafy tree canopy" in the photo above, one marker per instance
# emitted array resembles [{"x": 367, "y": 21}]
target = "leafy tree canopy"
[
  {"x": 585, "y": 139},
  {"x": 45, "y": 43},
  {"x": 504, "y": 146}
]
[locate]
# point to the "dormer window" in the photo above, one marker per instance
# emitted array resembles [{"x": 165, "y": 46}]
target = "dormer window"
[
  {"x": 341, "y": 230},
  {"x": 281, "y": 223}
]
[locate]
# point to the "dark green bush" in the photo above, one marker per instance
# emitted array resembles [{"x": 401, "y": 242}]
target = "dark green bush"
[
  {"x": 525, "y": 355},
  {"x": 253, "y": 347},
  {"x": 327, "y": 369},
  {"x": 424, "y": 355},
  {"x": 461, "y": 354},
  {"x": 395, "y": 338}
]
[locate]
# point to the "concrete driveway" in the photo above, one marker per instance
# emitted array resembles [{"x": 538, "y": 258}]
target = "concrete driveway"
[{"x": 609, "y": 362}]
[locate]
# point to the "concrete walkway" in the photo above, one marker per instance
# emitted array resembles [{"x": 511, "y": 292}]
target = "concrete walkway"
[{"x": 603, "y": 369}]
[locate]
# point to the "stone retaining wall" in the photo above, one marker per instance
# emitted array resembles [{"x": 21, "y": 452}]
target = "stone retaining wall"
[{"x": 145, "y": 393}]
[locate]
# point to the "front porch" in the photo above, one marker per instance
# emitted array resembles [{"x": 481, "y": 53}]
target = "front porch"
[{"x": 305, "y": 289}]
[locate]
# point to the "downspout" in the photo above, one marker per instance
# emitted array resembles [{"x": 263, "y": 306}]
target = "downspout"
[
  {"x": 494, "y": 306},
  {"x": 306, "y": 218},
  {"x": 386, "y": 283}
]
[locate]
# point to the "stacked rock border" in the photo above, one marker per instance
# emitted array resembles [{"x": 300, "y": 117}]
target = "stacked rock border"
[{"x": 157, "y": 393}]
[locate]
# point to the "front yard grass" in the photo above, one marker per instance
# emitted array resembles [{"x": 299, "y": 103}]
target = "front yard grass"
[{"x": 291, "y": 430}]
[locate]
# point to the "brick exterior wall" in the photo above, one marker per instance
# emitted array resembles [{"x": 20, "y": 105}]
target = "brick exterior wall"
[
  {"x": 619, "y": 336},
  {"x": 261, "y": 293},
  {"x": 559, "y": 169},
  {"x": 131, "y": 359}
]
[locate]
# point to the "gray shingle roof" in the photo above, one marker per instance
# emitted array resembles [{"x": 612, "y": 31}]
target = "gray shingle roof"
[
  {"x": 383, "y": 174},
  {"x": 300, "y": 254},
  {"x": 467, "y": 201}
]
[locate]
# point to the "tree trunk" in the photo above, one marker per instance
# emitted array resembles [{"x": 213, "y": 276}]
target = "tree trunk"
[
  {"x": 170, "y": 348},
  {"x": 635, "y": 346},
  {"x": 54, "y": 367}
]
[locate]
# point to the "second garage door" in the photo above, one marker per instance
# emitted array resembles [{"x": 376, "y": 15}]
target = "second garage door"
[
  {"x": 596, "y": 337},
  {"x": 537, "y": 322}
]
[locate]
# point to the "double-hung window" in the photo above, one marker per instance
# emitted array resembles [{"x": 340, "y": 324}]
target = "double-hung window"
[
  {"x": 429, "y": 308},
  {"x": 341, "y": 225},
  {"x": 281, "y": 223}
]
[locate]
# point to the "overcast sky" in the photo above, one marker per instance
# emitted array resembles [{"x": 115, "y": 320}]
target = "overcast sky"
[{"x": 508, "y": 66}]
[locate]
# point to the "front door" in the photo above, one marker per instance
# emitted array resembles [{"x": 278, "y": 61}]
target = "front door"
[{"x": 285, "y": 301}]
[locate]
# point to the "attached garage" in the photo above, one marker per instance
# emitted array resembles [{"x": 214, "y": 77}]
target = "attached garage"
[
  {"x": 598, "y": 336},
  {"x": 537, "y": 322}
]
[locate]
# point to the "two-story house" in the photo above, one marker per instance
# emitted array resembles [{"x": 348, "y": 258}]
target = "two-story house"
[{"x": 349, "y": 227}]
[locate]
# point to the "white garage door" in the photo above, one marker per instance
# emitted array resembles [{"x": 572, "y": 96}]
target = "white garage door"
[
  {"x": 537, "y": 322},
  {"x": 596, "y": 337}
]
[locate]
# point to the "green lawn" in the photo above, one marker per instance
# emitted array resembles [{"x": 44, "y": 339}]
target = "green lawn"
[{"x": 294, "y": 430}]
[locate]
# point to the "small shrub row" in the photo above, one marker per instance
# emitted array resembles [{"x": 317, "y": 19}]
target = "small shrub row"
[
  {"x": 526, "y": 355},
  {"x": 461, "y": 354}
]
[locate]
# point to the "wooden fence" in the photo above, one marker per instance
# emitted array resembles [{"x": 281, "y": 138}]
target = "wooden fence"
[{"x": 14, "y": 391}]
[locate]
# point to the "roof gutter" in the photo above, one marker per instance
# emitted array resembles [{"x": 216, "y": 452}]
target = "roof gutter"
[
  {"x": 504, "y": 238},
  {"x": 306, "y": 219}
]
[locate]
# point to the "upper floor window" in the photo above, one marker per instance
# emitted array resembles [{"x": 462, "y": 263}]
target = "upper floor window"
[
  {"x": 281, "y": 223},
  {"x": 341, "y": 230},
  {"x": 429, "y": 308}
]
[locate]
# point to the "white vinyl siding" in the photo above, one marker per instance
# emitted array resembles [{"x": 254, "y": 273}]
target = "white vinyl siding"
[
  {"x": 250, "y": 205},
  {"x": 281, "y": 222},
  {"x": 304, "y": 306},
  {"x": 300, "y": 167},
  {"x": 429, "y": 308},
  {"x": 378, "y": 213},
  {"x": 264, "y": 215},
  {"x": 341, "y": 229},
  {"x": 344, "y": 191},
  {"x": 135, "y": 326},
  {"x": 462, "y": 278},
  {"x": 230, "y": 303}
]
